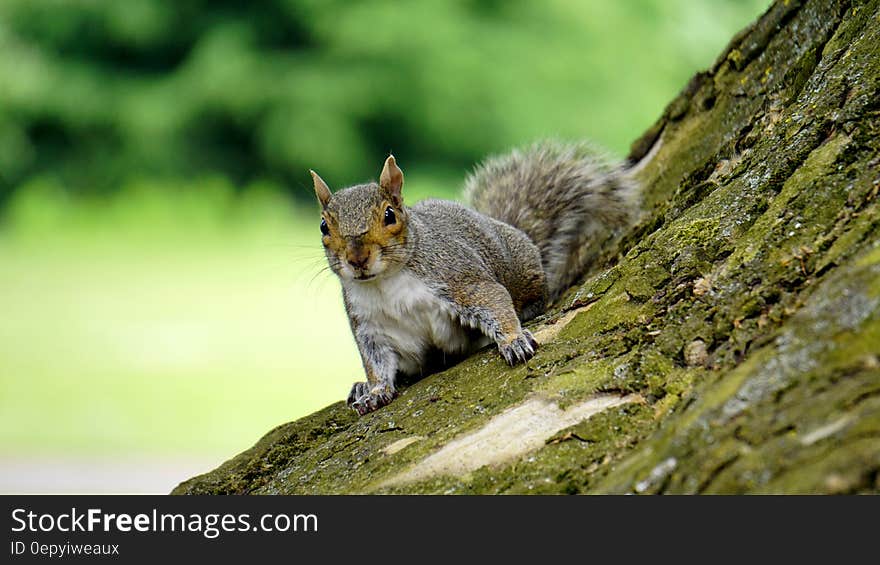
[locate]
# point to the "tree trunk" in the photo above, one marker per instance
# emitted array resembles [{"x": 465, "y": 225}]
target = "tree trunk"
[{"x": 732, "y": 342}]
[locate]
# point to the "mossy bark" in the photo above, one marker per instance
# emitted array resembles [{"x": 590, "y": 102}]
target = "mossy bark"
[{"x": 743, "y": 312}]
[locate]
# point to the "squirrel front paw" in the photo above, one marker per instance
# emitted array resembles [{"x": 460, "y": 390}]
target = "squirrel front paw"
[
  {"x": 364, "y": 399},
  {"x": 520, "y": 349}
]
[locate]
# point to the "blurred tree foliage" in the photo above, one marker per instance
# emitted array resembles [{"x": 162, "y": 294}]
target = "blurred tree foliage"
[{"x": 94, "y": 93}]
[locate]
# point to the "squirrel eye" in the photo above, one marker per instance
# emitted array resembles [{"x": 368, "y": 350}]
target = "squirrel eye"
[
  {"x": 390, "y": 218},
  {"x": 324, "y": 229}
]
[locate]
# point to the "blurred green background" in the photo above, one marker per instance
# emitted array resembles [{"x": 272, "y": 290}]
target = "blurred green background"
[{"x": 161, "y": 300}]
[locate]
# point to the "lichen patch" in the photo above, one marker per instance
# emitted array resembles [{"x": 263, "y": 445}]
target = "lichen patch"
[
  {"x": 825, "y": 431},
  {"x": 548, "y": 332},
  {"x": 398, "y": 445},
  {"x": 511, "y": 434}
]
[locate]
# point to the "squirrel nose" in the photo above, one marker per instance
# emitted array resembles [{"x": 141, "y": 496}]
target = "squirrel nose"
[{"x": 358, "y": 260}]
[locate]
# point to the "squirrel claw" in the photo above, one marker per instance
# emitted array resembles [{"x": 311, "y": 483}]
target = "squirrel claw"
[
  {"x": 363, "y": 400},
  {"x": 357, "y": 391},
  {"x": 520, "y": 350}
]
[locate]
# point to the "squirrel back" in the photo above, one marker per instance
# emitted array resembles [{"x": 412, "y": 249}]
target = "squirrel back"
[{"x": 567, "y": 198}]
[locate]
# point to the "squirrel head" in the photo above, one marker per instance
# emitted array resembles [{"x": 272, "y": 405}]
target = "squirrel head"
[{"x": 364, "y": 227}]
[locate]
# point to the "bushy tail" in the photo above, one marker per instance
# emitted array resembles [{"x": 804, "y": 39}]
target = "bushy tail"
[{"x": 567, "y": 198}]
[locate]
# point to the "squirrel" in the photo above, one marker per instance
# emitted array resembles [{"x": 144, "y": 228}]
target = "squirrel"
[{"x": 443, "y": 276}]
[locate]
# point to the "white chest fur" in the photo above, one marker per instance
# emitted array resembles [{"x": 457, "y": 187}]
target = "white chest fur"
[{"x": 402, "y": 312}]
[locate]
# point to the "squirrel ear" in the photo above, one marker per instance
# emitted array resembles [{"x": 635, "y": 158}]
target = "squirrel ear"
[
  {"x": 391, "y": 179},
  {"x": 322, "y": 191}
]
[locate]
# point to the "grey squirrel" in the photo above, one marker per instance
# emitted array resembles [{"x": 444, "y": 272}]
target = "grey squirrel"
[{"x": 442, "y": 276}]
